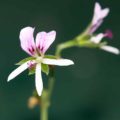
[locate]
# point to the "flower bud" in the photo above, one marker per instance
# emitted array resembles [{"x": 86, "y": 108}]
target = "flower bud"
[{"x": 32, "y": 102}]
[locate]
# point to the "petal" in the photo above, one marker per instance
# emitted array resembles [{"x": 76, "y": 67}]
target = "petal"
[
  {"x": 95, "y": 25},
  {"x": 98, "y": 17},
  {"x": 97, "y": 39},
  {"x": 59, "y": 62},
  {"x": 27, "y": 40},
  {"x": 97, "y": 8},
  {"x": 97, "y": 13},
  {"x": 100, "y": 13},
  {"x": 105, "y": 12},
  {"x": 38, "y": 79},
  {"x": 50, "y": 37},
  {"x": 17, "y": 71},
  {"x": 110, "y": 49},
  {"x": 40, "y": 39}
]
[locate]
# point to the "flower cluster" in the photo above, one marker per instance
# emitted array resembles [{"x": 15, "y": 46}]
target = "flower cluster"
[
  {"x": 99, "y": 15},
  {"x": 96, "y": 39},
  {"x": 37, "y": 51}
]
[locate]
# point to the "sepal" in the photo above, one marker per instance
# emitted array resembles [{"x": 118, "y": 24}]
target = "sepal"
[
  {"x": 45, "y": 68},
  {"x": 50, "y": 56},
  {"x": 31, "y": 71},
  {"x": 25, "y": 60}
]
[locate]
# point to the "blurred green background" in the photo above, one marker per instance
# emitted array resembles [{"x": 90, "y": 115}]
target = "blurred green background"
[{"x": 89, "y": 90}]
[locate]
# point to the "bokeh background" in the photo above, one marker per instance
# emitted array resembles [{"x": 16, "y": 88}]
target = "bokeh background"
[{"x": 89, "y": 90}]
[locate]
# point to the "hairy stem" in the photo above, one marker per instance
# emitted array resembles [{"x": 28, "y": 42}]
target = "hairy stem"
[
  {"x": 51, "y": 81},
  {"x": 44, "y": 106},
  {"x": 65, "y": 45},
  {"x": 45, "y": 100},
  {"x": 44, "y": 113}
]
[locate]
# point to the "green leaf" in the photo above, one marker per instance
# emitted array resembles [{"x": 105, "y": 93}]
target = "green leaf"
[
  {"x": 45, "y": 68},
  {"x": 25, "y": 60},
  {"x": 50, "y": 56}
]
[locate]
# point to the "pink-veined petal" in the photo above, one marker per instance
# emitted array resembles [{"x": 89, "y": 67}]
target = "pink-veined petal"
[
  {"x": 59, "y": 62},
  {"x": 38, "y": 79},
  {"x": 40, "y": 39},
  {"x": 100, "y": 13},
  {"x": 98, "y": 17},
  {"x": 97, "y": 13},
  {"x": 94, "y": 27},
  {"x": 50, "y": 37},
  {"x": 17, "y": 71},
  {"x": 110, "y": 49},
  {"x": 27, "y": 40}
]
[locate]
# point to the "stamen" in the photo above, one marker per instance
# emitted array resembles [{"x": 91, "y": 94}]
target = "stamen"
[
  {"x": 31, "y": 64},
  {"x": 109, "y": 34}
]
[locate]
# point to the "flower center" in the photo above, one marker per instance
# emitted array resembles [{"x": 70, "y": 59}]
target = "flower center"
[{"x": 39, "y": 59}]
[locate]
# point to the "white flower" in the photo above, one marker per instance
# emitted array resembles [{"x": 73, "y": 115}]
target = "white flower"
[{"x": 37, "y": 49}]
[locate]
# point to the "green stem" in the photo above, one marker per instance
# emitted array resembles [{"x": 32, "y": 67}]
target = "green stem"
[
  {"x": 45, "y": 99},
  {"x": 44, "y": 106},
  {"x": 44, "y": 113},
  {"x": 51, "y": 81},
  {"x": 68, "y": 44}
]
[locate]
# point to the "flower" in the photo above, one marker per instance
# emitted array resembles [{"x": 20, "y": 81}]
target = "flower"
[
  {"x": 98, "y": 17},
  {"x": 37, "y": 51},
  {"x": 97, "y": 40}
]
